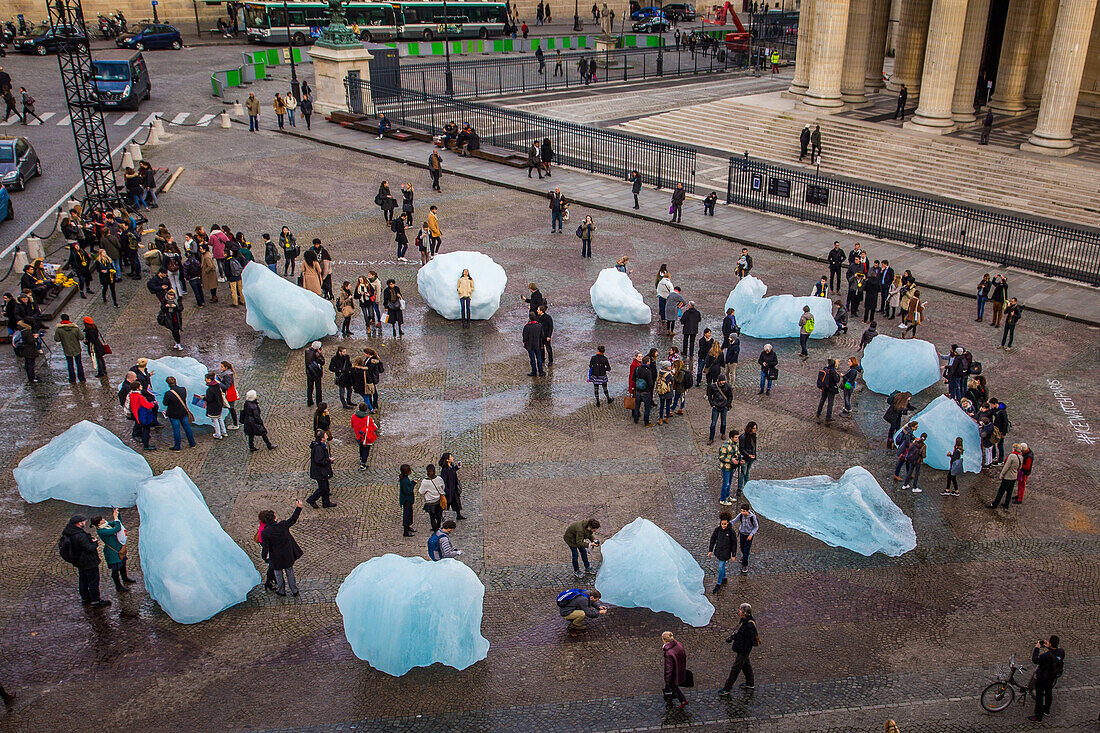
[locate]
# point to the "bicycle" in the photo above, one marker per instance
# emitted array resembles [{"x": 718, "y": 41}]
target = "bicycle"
[{"x": 998, "y": 695}]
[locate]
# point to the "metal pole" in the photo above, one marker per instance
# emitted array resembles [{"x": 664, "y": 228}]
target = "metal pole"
[
  {"x": 155, "y": 18},
  {"x": 295, "y": 86},
  {"x": 576, "y": 17},
  {"x": 447, "y": 51}
]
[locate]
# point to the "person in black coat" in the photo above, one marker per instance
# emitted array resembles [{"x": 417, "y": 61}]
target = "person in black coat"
[
  {"x": 320, "y": 470},
  {"x": 835, "y": 259},
  {"x": 340, "y": 366},
  {"x": 690, "y": 320},
  {"x": 598, "y": 367},
  {"x": 536, "y": 298},
  {"x": 1049, "y": 662},
  {"x": 547, "y": 155},
  {"x": 829, "y": 386},
  {"x": 253, "y": 422},
  {"x": 315, "y": 366},
  {"x": 645, "y": 376},
  {"x": 547, "y": 324},
  {"x": 722, "y": 546},
  {"x": 744, "y": 639},
  {"x": 533, "y": 340},
  {"x": 635, "y": 186},
  {"x": 769, "y": 368},
  {"x": 279, "y": 550},
  {"x": 720, "y": 396},
  {"x": 85, "y": 557},
  {"x": 452, "y": 487}
]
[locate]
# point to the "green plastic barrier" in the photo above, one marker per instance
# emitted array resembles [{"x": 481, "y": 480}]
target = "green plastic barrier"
[{"x": 233, "y": 78}]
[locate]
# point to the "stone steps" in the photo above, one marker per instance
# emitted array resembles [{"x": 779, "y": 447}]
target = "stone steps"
[{"x": 854, "y": 148}]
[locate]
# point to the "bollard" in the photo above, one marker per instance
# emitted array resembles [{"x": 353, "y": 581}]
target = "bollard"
[
  {"x": 135, "y": 152},
  {"x": 226, "y": 123},
  {"x": 238, "y": 108},
  {"x": 35, "y": 250},
  {"x": 154, "y": 138},
  {"x": 127, "y": 160},
  {"x": 158, "y": 128},
  {"x": 21, "y": 261},
  {"x": 71, "y": 204}
]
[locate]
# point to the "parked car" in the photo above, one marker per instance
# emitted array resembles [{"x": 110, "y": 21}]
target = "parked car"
[
  {"x": 18, "y": 162},
  {"x": 46, "y": 41},
  {"x": 5, "y": 205},
  {"x": 656, "y": 24},
  {"x": 678, "y": 12},
  {"x": 121, "y": 79},
  {"x": 645, "y": 13},
  {"x": 151, "y": 36}
]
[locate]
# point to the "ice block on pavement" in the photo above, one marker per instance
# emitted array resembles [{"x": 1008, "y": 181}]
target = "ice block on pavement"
[
  {"x": 900, "y": 365},
  {"x": 284, "y": 311},
  {"x": 190, "y": 374},
  {"x": 944, "y": 421},
  {"x": 437, "y": 283},
  {"x": 777, "y": 316},
  {"x": 614, "y": 298}
]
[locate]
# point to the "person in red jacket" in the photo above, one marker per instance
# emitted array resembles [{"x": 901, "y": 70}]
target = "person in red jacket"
[
  {"x": 144, "y": 412},
  {"x": 630, "y": 377},
  {"x": 1026, "y": 459},
  {"x": 366, "y": 432}
]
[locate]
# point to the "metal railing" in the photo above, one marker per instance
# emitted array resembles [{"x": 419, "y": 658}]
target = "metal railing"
[
  {"x": 609, "y": 152},
  {"x": 522, "y": 74},
  {"x": 991, "y": 235}
]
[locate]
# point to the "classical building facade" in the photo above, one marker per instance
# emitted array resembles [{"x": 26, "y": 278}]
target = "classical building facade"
[{"x": 953, "y": 56}]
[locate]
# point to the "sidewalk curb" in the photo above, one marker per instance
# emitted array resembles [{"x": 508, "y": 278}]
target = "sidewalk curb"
[{"x": 687, "y": 227}]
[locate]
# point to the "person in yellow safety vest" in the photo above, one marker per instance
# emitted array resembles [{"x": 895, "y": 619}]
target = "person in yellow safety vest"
[{"x": 775, "y": 61}]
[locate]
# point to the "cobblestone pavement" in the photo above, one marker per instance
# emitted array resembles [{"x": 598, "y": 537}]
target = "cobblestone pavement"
[{"x": 848, "y": 641}]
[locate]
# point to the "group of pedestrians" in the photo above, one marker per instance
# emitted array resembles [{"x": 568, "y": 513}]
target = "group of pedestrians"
[
  {"x": 11, "y": 104},
  {"x": 284, "y": 107}
]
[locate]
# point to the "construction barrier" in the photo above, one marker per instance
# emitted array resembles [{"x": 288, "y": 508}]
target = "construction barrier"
[{"x": 517, "y": 45}]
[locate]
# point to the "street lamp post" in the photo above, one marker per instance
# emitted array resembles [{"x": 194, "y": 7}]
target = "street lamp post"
[
  {"x": 295, "y": 87},
  {"x": 155, "y": 18},
  {"x": 447, "y": 51},
  {"x": 576, "y": 16}
]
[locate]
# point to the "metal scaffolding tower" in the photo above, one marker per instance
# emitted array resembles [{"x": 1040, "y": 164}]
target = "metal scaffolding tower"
[{"x": 93, "y": 152}]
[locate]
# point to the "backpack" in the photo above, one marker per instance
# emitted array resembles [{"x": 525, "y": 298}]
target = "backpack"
[
  {"x": 640, "y": 384},
  {"x": 17, "y": 341},
  {"x": 809, "y": 327},
  {"x": 433, "y": 547},
  {"x": 899, "y": 438},
  {"x": 65, "y": 550},
  {"x": 912, "y": 453},
  {"x": 580, "y": 229},
  {"x": 371, "y": 433},
  {"x": 688, "y": 381},
  {"x": 822, "y": 379},
  {"x": 566, "y": 596}
]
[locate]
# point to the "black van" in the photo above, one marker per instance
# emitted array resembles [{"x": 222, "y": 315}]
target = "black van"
[{"x": 121, "y": 79}]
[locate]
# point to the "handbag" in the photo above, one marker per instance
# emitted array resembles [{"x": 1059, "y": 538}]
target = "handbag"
[
  {"x": 347, "y": 310},
  {"x": 443, "y": 502},
  {"x": 106, "y": 349},
  {"x": 401, "y": 304},
  {"x": 628, "y": 402},
  {"x": 689, "y": 678}
]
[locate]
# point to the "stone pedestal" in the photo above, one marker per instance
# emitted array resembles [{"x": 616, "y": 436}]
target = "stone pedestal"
[
  {"x": 604, "y": 45},
  {"x": 330, "y": 68}
]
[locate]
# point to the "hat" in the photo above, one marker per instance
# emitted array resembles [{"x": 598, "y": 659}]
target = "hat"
[
  {"x": 88, "y": 320},
  {"x": 315, "y": 345},
  {"x": 77, "y": 519},
  {"x": 665, "y": 365},
  {"x": 250, "y": 395}
]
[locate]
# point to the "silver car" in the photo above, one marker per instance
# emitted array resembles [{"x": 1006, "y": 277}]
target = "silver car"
[{"x": 18, "y": 162}]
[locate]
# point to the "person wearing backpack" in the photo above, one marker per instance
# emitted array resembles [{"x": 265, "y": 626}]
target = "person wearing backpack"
[
  {"x": 1049, "y": 661},
  {"x": 644, "y": 378},
  {"x": 1009, "y": 472},
  {"x": 747, "y": 525},
  {"x": 902, "y": 440},
  {"x": 1026, "y": 460},
  {"x": 78, "y": 548},
  {"x": 720, "y": 396},
  {"x": 577, "y": 604},
  {"x": 805, "y": 328},
  {"x": 439, "y": 544},
  {"x": 366, "y": 432},
  {"x": 280, "y": 550},
  {"x": 744, "y": 639},
  {"x": 914, "y": 458},
  {"x": 828, "y": 381},
  {"x": 663, "y": 389},
  {"x": 431, "y": 493}
]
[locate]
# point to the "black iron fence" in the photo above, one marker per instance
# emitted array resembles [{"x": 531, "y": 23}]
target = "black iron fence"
[
  {"x": 1033, "y": 244},
  {"x": 512, "y": 74},
  {"x": 610, "y": 152}
]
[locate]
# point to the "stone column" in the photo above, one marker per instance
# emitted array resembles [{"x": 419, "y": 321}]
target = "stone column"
[
  {"x": 1046, "y": 12},
  {"x": 855, "y": 51},
  {"x": 803, "y": 58},
  {"x": 909, "y": 52},
  {"x": 1008, "y": 89},
  {"x": 970, "y": 61},
  {"x": 876, "y": 51},
  {"x": 1068, "y": 50},
  {"x": 830, "y": 34},
  {"x": 941, "y": 61}
]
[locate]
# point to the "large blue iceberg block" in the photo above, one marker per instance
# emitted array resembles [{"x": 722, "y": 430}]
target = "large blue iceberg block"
[
  {"x": 437, "y": 283},
  {"x": 903, "y": 365},
  {"x": 87, "y": 464},
  {"x": 189, "y": 373},
  {"x": 776, "y": 317},
  {"x": 853, "y": 512},
  {"x": 405, "y": 612},
  {"x": 944, "y": 421},
  {"x": 284, "y": 311},
  {"x": 614, "y": 298},
  {"x": 192, "y": 568},
  {"x": 645, "y": 568}
]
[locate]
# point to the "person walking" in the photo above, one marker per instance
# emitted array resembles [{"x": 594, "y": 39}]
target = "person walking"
[
  {"x": 113, "y": 536},
  {"x": 676, "y": 672},
  {"x": 171, "y": 317},
  {"x": 557, "y": 210},
  {"x": 987, "y": 128},
  {"x": 598, "y": 368},
  {"x": 10, "y": 106},
  {"x": 394, "y": 305},
  {"x": 747, "y": 525},
  {"x": 431, "y": 490},
  {"x": 803, "y": 142},
  {"x": 540, "y": 56},
  {"x": 559, "y": 69},
  {"x": 178, "y": 414},
  {"x": 465, "y": 293},
  {"x": 365, "y": 431},
  {"x": 635, "y": 186},
  {"x": 828, "y": 381},
  {"x": 68, "y": 334},
  {"x": 95, "y": 345},
  {"x": 534, "y": 160},
  {"x": 291, "y": 105},
  {"x": 252, "y": 106},
  {"x": 744, "y": 639},
  {"x": 729, "y": 461},
  {"x": 406, "y": 495},
  {"x": 279, "y": 105},
  {"x": 253, "y": 422},
  {"x": 315, "y": 368},
  {"x": 1012, "y": 315},
  {"x": 722, "y": 546},
  {"x": 435, "y": 169},
  {"x": 108, "y": 275},
  {"x": 307, "y": 110},
  {"x": 279, "y": 548},
  {"x": 584, "y": 231},
  {"x": 769, "y": 369},
  {"x": 533, "y": 340},
  {"x": 1049, "y": 660},
  {"x": 815, "y": 145},
  {"x": 676, "y": 209},
  {"x": 805, "y": 328},
  {"x": 320, "y": 470},
  {"x": 720, "y": 396},
  {"x": 579, "y": 536},
  {"x": 1008, "y": 475},
  {"x": 78, "y": 548},
  {"x": 954, "y": 468},
  {"x": 914, "y": 315},
  {"x": 747, "y": 445}
]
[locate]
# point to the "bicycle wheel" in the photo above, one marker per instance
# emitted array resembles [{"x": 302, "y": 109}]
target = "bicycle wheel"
[{"x": 997, "y": 696}]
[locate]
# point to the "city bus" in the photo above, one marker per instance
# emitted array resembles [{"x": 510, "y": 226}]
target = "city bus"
[{"x": 265, "y": 22}]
